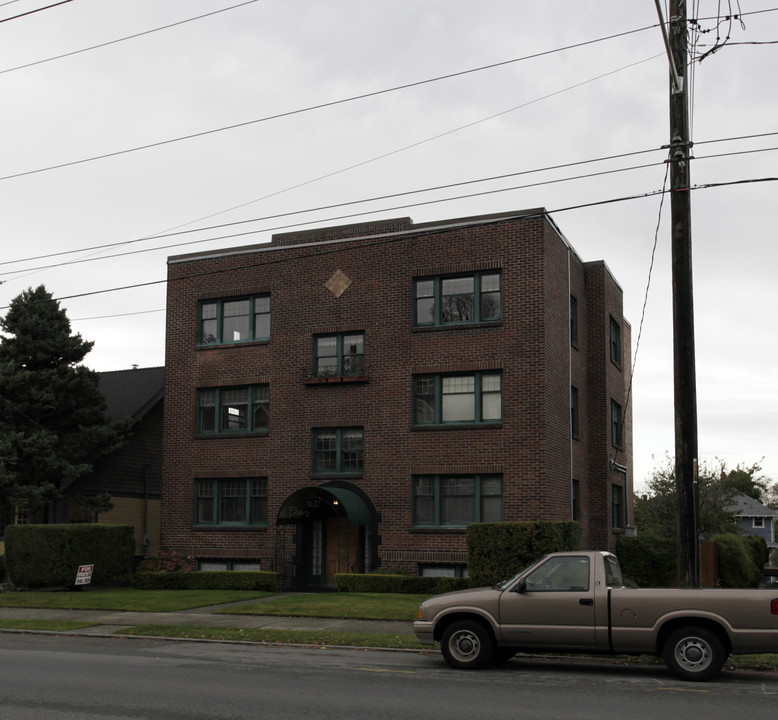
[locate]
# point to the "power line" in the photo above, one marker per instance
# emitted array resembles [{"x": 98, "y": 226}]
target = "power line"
[
  {"x": 396, "y": 238},
  {"x": 122, "y": 39},
  {"x": 32, "y": 12},
  {"x": 319, "y": 106},
  {"x": 358, "y": 202}
]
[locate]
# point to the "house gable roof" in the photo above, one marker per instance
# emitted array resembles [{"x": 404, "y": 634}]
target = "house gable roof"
[
  {"x": 746, "y": 506},
  {"x": 132, "y": 393}
]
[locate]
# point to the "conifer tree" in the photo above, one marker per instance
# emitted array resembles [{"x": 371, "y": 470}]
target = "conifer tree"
[{"x": 52, "y": 414}]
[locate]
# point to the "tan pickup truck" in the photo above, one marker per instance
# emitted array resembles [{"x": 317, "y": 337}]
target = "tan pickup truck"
[{"x": 575, "y": 602}]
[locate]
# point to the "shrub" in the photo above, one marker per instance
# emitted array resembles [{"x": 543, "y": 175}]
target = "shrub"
[
  {"x": 736, "y": 567},
  {"x": 201, "y": 580},
  {"x": 646, "y": 561},
  {"x": 50, "y": 555},
  {"x": 167, "y": 561},
  {"x": 387, "y": 583},
  {"x": 496, "y": 551}
]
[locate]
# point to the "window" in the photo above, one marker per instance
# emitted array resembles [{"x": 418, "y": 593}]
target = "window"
[
  {"x": 560, "y": 574},
  {"x": 443, "y": 399},
  {"x": 617, "y": 506},
  {"x": 615, "y": 342},
  {"x": 452, "y": 571},
  {"x": 235, "y": 320},
  {"x": 461, "y": 299},
  {"x": 233, "y": 410},
  {"x": 616, "y": 425},
  {"x": 573, "y": 321},
  {"x": 339, "y": 355},
  {"x": 574, "y": 411},
  {"x": 456, "y": 500},
  {"x": 758, "y": 522},
  {"x": 231, "y": 501},
  {"x": 338, "y": 450},
  {"x": 224, "y": 565}
]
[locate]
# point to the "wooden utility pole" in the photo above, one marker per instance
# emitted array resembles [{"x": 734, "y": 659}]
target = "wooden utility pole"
[{"x": 683, "y": 303}]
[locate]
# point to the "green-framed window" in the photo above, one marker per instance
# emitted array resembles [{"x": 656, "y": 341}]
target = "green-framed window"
[
  {"x": 339, "y": 354},
  {"x": 457, "y": 399},
  {"x": 232, "y": 320},
  {"x": 617, "y": 425},
  {"x": 456, "y": 500},
  {"x": 458, "y": 299},
  {"x": 231, "y": 501},
  {"x": 338, "y": 450},
  {"x": 228, "y": 410},
  {"x": 615, "y": 342}
]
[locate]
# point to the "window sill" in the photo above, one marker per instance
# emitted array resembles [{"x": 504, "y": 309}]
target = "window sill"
[
  {"x": 225, "y": 435},
  {"x": 456, "y": 326},
  {"x": 230, "y": 528},
  {"x": 336, "y": 380},
  {"x": 238, "y": 343},
  {"x": 458, "y": 426},
  {"x": 425, "y": 529}
]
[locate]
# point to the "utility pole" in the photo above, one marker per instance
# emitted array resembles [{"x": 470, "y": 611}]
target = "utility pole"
[{"x": 683, "y": 302}]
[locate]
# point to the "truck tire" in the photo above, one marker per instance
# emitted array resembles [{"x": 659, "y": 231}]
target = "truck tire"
[
  {"x": 694, "y": 653},
  {"x": 467, "y": 645}
]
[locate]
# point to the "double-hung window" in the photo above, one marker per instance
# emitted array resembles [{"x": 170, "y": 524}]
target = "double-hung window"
[
  {"x": 443, "y": 399},
  {"x": 456, "y": 500},
  {"x": 338, "y": 450},
  {"x": 231, "y": 501},
  {"x": 617, "y": 425},
  {"x": 342, "y": 354},
  {"x": 459, "y": 299},
  {"x": 615, "y": 342},
  {"x": 235, "y": 320},
  {"x": 233, "y": 410}
]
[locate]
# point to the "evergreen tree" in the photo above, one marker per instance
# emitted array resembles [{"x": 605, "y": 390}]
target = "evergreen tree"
[{"x": 52, "y": 413}]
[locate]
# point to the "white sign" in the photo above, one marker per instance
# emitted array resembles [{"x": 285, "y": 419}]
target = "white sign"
[{"x": 84, "y": 574}]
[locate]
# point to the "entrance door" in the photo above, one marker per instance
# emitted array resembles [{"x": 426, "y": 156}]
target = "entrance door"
[{"x": 341, "y": 548}]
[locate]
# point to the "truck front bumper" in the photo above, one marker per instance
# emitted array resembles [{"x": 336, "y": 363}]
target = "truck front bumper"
[{"x": 425, "y": 632}]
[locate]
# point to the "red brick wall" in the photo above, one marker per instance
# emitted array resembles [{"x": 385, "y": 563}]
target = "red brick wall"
[{"x": 532, "y": 448}]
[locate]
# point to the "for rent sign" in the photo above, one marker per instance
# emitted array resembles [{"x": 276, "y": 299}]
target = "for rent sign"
[{"x": 84, "y": 574}]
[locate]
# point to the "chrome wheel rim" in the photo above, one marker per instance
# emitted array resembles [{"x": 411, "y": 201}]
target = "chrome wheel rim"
[
  {"x": 464, "y": 645},
  {"x": 693, "y": 654}
]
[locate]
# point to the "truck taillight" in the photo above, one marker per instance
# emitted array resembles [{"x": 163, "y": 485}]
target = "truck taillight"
[{"x": 774, "y": 606}]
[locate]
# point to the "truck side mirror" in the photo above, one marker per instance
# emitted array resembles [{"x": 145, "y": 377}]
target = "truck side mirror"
[{"x": 522, "y": 586}]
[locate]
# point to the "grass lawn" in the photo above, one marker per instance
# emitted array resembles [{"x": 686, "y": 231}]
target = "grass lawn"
[
  {"x": 297, "y": 637},
  {"x": 355, "y": 606},
  {"x": 48, "y": 625},
  {"x": 126, "y": 599}
]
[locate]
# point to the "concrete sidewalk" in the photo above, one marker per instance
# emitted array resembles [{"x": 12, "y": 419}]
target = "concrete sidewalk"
[{"x": 108, "y": 621}]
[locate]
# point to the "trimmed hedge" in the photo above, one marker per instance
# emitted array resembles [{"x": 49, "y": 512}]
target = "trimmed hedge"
[
  {"x": 206, "y": 580},
  {"x": 647, "y": 562},
  {"x": 386, "y": 583},
  {"x": 737, "y": 566},
  {"x": 39, "y": 556},
  {"x": 497, "y": 551}
]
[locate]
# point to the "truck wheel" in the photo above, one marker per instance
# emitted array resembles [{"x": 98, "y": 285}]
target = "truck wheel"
[
  {"x": 467, "y": 645},
  {"x": 694, "y": 653}
]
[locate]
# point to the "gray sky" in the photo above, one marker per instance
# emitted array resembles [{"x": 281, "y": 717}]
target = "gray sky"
[{"x": 236, "y": 69}]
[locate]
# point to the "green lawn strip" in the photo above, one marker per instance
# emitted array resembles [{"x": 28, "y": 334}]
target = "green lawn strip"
[
  {"x": 297, "y": 637},
  {"x": 352, "y": 606},
  {"x": 49, "y": 625},
  {"x": 126, "y": 599}
]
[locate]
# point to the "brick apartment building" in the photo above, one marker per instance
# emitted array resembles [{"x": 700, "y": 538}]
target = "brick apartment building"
[{"x": 349, "y": 398}]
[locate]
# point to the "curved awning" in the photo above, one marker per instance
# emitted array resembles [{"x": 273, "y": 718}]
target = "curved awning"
[{"x": 312, "y": 502}]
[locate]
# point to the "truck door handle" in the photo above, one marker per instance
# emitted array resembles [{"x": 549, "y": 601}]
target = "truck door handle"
[{"x": 586, "y": 601}]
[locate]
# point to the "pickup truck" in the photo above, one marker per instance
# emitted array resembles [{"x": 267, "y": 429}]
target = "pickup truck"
[{"x": 575, "y": 602}]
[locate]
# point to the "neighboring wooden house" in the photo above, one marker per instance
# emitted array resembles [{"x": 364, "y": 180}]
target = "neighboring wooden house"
[
  {"x": 132, "y": 476},
  {"x": 753, "y": 518}
]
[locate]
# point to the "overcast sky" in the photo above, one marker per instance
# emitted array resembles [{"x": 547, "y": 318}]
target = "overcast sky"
[{"x": 249, "y": 114}]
